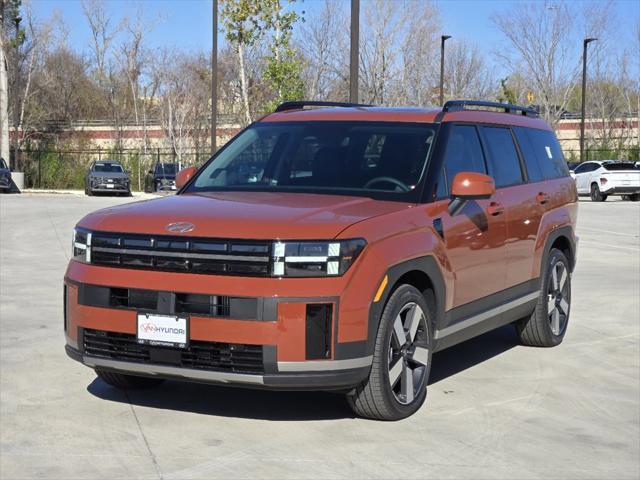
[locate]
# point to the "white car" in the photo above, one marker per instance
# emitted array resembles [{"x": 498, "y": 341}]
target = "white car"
[{"x": 599, "y": 179}]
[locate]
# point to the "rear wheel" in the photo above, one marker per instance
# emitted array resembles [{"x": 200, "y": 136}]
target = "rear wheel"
[
  {"x": 120, "y": 380},
  {"x": 397, "y": 383},
  {"x": 548, "y": 323},
  {"x": 596, "y": 194},
  {"x": 634, "y": 197}
]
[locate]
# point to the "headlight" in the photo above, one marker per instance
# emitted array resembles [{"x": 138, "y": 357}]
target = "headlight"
[
  {"x": 315, "y": 259},
  {"x": 81, "y": 245}
]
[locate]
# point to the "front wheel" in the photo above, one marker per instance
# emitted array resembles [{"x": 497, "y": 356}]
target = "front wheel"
[
  {"x": 548, "y": 323},
  {"x": 596, "y": 194},
  {"x": 397, "y": 384},
  {"x": 634, "y": 197}
]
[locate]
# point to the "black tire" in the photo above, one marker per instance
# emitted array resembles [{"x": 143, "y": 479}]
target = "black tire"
[
  {"x": 541, "y": 329},
  {"x": 634, "y": 197},
  {"x": 376, "y": 398},
  {"x": 596, "y": 194},
  {"x": 120, "y": 380}
]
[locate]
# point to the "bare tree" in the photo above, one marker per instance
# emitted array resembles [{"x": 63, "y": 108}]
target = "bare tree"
[
  {"x": 467, "y": 73},
  {"x": 538, "y": 45}
]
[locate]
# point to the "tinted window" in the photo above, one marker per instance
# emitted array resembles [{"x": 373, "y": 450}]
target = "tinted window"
[
  {"x": 464, "y": 152},
  {"x": 2, "y": 164},
  {"x": 581, "y": 168},
  {"x": 504, "y": 164},
  {"x": 542, "y": 154},
  {"x": 166, "y": 168},
  {"x": 619, "y": 166},
  {"x": 108, "y": 167},
  {"x": 349, "y": 157}
]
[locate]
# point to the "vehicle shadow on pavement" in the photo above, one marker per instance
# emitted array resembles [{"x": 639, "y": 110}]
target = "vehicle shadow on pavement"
[
  {"x": 231, "y": 401},
  {"x": 472, "y": 352},
  {"x": 293, "y": 406}
]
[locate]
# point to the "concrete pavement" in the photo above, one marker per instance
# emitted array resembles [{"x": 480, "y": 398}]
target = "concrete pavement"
[{"x": 494, "y": 410}]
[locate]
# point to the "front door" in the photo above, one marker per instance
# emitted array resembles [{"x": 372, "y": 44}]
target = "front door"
[{"x": 474, "y": 237}]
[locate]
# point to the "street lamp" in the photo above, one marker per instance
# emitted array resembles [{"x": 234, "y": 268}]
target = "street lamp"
[
  {"x": 443, "y": 39},
  {"x": 16, "y": 104},
  {"x": 354, "y": 52},
  {"x": 214, "y": 79},
  {"x": 585, "y": 42}
]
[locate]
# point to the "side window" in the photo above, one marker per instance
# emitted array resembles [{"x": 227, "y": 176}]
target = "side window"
[
  {"x": 548, "y": 152},
  {"x": 581, "y": 168},
  {"x": 529, "y": 154},
  {"x": 504, "y": 164},
  {"x": 593, "y": 167},
  {"x": 464, "y": 152}
]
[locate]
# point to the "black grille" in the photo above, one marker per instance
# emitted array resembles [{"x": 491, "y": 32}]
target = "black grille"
[
  {"x": 201, "y": 305},
  {"x": 181, "y": 254},
  {"x": 214, "y": 356}
]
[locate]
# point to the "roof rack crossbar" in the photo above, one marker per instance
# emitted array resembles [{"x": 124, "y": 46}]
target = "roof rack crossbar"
[
  {"x": 298, "y": 104},
  {"x": 506, "y": 107}
]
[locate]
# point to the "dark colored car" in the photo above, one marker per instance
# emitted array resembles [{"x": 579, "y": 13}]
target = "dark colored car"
[
  {"x": 332, "y": 249},
  {"x": 162, "y": 177},
  {"x": 107, "y": 176},
  {"x": 5, "y": 177}
]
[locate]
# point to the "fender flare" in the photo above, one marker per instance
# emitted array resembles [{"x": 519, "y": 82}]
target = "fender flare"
[
  {"x": 566, "y": 232},
  {"x": 427, "y": 265}
]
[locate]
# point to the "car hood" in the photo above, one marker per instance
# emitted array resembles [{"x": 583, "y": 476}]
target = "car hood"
[
  {"x": 247, "y": 215},
  {"x": 109, "y": 175}
]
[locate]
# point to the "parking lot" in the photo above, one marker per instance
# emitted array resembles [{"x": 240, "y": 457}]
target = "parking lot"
[{"x": 494, "y": 409}]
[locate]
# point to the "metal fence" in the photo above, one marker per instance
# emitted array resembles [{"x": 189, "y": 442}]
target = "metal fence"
[{"x": 66, "y": 169}]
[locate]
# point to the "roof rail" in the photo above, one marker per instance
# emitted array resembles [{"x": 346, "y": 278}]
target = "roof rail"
[
  {"x": 506, "y": 107},
  {"x": 298, "y": 104}
]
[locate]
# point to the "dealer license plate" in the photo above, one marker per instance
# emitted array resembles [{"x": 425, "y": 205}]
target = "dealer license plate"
[
  {"x": 164, "y": 330},
  {"x": 110, "y": 185}
]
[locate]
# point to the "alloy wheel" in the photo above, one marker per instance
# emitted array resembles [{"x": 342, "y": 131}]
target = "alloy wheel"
[
  {"x": 408, "y": 353},
  {"x": 558, "y": 298}
]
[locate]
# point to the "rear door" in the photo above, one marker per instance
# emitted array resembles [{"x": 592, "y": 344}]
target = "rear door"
[
  {"x": 521, "y": 201},
  {"x": 474, "y": 238}
]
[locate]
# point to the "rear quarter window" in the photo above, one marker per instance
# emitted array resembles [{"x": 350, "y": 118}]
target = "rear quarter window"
[{"x": 542, "y": 154}]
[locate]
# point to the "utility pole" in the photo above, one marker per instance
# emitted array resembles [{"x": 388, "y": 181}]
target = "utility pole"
[
  {"x": 4, "y": 91},
  {"x": 443, "y": 39},
  {"x": 214, "y": 79},
  {"x": 354, "y": 61},
  {"x": 585, "y": 42}
]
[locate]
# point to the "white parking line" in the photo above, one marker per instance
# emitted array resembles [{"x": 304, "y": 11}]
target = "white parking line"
[
  {"x": 632, "y": 249},
  {"x": 599, "y": 230}
]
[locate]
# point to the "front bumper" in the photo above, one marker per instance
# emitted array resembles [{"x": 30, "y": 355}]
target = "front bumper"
[
  {"x": 336, "y": 379},
  {"x": 109, "y": 187},
  {"x": 269, "y": 313}
]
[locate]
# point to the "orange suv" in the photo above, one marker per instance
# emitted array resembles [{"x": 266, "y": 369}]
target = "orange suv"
[{"x": 332, "y": 248}]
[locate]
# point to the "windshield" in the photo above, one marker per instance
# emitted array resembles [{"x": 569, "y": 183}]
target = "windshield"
[
  {"x": 332, "y": 157},
  {"x": 108, "y": 167},
  {"x": 619, "y": 166},
  {"x": 166, "y": 168}
]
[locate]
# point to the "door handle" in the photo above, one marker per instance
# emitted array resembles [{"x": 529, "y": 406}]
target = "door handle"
[
  {"x": 495, "y": 209},
  {"x": 542, "y": 198}
]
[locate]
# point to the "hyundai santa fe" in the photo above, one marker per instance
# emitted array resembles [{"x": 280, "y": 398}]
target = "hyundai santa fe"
[{"x": 332, "y": 246}]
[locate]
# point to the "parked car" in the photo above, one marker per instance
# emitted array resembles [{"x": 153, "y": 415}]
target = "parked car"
[
  {"x": 5, "y": 177},
  {"x": 599, "y": 179},
  {"x": 162, "y": 177},
  {"x": 107, "y": 176},
  {"x": 332, "y": 249}
]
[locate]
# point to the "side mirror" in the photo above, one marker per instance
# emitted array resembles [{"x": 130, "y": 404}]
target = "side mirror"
[
  {"x": 469, "y": 186},
  {"x": 184, "y": 176}
]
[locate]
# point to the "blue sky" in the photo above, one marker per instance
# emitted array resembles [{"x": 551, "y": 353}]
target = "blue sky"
[{"x": 186, "y": 23}]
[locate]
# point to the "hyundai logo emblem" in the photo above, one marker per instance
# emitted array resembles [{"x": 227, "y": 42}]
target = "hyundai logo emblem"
[{"x": 180, "y": 227}]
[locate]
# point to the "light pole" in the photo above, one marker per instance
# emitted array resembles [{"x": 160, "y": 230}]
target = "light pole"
[
  {"x": 443, "y": 39},
  {"x": 354, "y": 52},
  {"x": 214, "y": 79},
  {"x": 585, "y": 42},
  {"x": 16, "y": 102}
]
